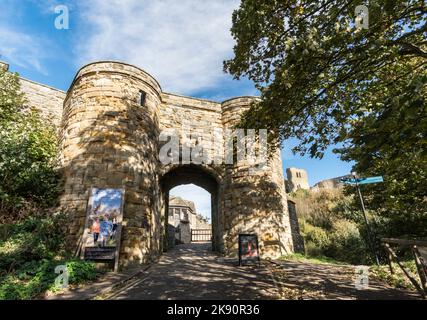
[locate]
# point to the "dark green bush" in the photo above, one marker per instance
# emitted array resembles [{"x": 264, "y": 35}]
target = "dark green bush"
[
  {"x": 346, "y": 243},
  {"x": 36, "y": 277},
  {"x": 31, "y": 237},
  {"x": 31, "y": 240},
  {"x": 343, "y": 242},
  {"x": 315, "y": 235},
  {"x": 29, "y": 252},
  {"x": 28, "y": 154}
]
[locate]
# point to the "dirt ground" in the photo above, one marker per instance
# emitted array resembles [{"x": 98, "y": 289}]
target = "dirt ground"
[{"x": 302, "y": 280}]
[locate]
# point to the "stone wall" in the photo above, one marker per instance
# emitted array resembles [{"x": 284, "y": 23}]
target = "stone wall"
[
  {"x": 47, "y": 100},
  {"x": 4, "y": 65},
  {"x": 109, "y": 140},
  {"x": 197, "y": 117},
  {"x": 297, "y": 239},
  {"x": 254, "y": 202},
  {"x": 330, "y": 184}
]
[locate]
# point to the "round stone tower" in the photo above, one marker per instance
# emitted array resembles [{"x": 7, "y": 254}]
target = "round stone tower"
[
  {"x": 109, "y": 139},
  {"x": 254, "y": 201}
]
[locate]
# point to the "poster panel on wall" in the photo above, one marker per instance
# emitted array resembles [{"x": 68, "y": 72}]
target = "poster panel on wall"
[{"x": 101, "y": 237}]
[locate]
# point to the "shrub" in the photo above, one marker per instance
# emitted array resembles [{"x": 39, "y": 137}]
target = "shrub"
[
  {"x": 27, "y": 160},
  {"x": 35, "y": 277},
  {"x": 316, "y": 239},
  {"x": 312, "y": 250},
  {"x": 28, "y": 153},
  {"x": 342, "y": 242},
  {"x": 80, "y": 271},
  {"x": 319, "y": 208},
  {"x": 31, "y": 240},
  {"x": 316, "y": 235},
  {"x": 29, "y": 252},
  {"x": 346, "y": 243}
]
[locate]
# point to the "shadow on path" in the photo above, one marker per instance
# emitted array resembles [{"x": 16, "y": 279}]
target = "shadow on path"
[
  {"x": 327, "y": 281},
  {"x": 193, "y": 271}
]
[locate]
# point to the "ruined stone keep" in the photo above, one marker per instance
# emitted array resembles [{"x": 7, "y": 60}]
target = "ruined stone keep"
[
  {"x": 109, "y": 128},
  {"x": 296, "y": 179}
]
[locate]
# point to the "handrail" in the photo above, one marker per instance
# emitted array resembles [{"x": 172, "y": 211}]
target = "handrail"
[{"x": 404, "y": 242}]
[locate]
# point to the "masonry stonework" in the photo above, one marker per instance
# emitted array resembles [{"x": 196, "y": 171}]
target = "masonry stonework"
[
  {"x": 47, "y": 100},
  {"x": 297, "y": 179},
  {"x": 108, "y": 139}
]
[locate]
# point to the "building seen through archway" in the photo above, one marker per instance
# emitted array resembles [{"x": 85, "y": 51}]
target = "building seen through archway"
[{"x": 185, "y": 223}]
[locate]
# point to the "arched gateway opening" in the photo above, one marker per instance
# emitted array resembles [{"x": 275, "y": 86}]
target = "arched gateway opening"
[{"x": 201, "y": 177}]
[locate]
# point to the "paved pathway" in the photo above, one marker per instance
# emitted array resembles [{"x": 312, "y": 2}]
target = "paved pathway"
[{"x": 195, "y": 272}]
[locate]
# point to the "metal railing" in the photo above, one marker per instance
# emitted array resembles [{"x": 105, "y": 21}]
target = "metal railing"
[{"x": 201, "y": 235}]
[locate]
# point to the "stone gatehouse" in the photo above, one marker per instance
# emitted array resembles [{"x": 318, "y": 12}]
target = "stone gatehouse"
[{"x": 109, "y": 128}]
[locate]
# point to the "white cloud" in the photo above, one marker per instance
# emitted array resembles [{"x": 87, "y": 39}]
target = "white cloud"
[
  {"x": 200, "y": 197},
  {"x": 181, "y": 43},
  {"x": 22, "y": 49},
  {"x": 19, "y": 44}
]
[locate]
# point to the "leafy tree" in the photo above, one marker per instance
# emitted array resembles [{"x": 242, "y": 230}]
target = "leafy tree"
[
  {"x": 27, "y": 151},
  {"x": 10, "y": 97},
  {"x": 316, "y": 71},
  {"x": 324, "y": 81}
]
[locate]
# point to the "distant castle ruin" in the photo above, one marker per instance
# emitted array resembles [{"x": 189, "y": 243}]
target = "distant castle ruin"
[{"x": 297, "y": 178}]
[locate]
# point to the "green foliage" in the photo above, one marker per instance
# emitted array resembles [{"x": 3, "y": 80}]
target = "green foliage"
[
  {"x": 32, "y": 239},
  {"x": 314, "y": 235},
  {"x": 28, "y": 152},
  {"x": 29, "y": 252},
  {"x": 346, "y": 243},
  {"x": 319, "y": 208},
  {"x": 331, "y": 226},
  {"x": 397, "y": 279},
  {"x": 316, "y": 71},
  {"x": 80, "y": 271},
  {"x": 36, "y": 277},
  {"x": 325, "y": 82},
  {"x": 10, "y": 97},
  {"x": 343, "y": 242}
]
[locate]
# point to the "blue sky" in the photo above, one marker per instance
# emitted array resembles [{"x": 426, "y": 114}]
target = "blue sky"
[{"x": 181, "y": 43}]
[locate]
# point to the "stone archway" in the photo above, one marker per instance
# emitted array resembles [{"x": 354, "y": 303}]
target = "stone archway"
[
  {"x": 113, "y": 117},
  {"x": 201, "y": 176}
]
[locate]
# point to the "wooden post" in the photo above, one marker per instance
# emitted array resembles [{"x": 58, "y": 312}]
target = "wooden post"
[
  {"x": 413, "y": 281},
  {"x": 420, "y": 269},
  {"x": 390, "y": 262}
]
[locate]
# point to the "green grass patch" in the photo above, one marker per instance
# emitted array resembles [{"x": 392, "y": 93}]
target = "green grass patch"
[{"x": 398, "y": 279}]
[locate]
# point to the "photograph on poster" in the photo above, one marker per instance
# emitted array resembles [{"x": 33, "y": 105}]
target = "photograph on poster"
[
  {"x": 105, "y": 214},
  {"x": 248, "y": 248}
]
